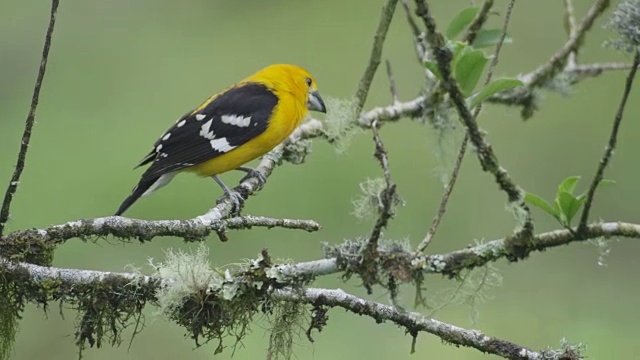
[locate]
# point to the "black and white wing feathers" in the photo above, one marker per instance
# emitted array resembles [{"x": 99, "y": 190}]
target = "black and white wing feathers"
[{"x": 225, "y": 123}]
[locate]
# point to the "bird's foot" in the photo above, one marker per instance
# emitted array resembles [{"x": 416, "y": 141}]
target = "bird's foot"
[
  {"x": 236, "y": 199},
  {"x": 253, "y": 173}
]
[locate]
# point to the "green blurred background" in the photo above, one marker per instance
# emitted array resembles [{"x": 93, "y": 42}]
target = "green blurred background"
[{"x": 120, "y": 72}]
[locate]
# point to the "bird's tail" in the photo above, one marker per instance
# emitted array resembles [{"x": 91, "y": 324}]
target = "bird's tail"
[{"x": 144, "y": 188}]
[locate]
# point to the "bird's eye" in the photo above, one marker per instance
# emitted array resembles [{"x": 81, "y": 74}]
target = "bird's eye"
[{"x": 308, "y": 81}]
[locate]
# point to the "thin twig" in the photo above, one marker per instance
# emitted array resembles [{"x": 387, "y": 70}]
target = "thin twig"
[
  {"x": 31, "y": 119},
  {"x": 570, "y": 18},
  {"x": 442, "y": 208},
  {"x": 477, "y": 23},
  {"x": 463, "y": 147},
  {"x": 577, "y": 73},
  {"x": 612, "y": 142},
  {"x": 388, "y": 199},
  {"x": 392, "y": 83},
  {"x": 388, "y": 195},
  {"x": 376, "y": 54},
  {"x": 418, "y": 36},
  {"x": 572, "y": 26},
  {"x": 558, "y": 61}
]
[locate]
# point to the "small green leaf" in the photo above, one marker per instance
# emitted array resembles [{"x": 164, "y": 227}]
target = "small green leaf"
[
  {"x": 490, "y": 37},
  {"x": 568, "y": 184},
  {"x": 461, "y": 21},
  {"x": 433, "y": 67},
  {"x": 494, "y": 87},
  {"x": 541, "y": 203},
  {"x": 468, "y": 70},
  {"x": 457, "y": 48},
  {"x": 569, "y": 206}
]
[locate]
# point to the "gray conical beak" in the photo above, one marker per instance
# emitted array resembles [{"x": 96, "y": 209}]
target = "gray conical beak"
[{"x": 315, "y": 102}]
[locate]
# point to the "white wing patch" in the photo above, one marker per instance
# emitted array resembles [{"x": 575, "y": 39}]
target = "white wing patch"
[
  {"x": 166, "y": 136},
  {"x": 221, "y": 145},
  {"x": 200, "y": 117},
  {"x": 237, "y": 120},
  {"x": 162, "y": 181},
  {"x": 206, "y": 132},
  {"x": 181, "y": 123}
]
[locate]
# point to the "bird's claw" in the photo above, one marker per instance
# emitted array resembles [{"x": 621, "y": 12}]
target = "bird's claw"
[
  {"x": 236, "y": 199},
  {"x": 252, "y": 173}
]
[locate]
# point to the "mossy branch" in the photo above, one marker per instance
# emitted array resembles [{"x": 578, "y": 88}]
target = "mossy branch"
[{"x": 124, "y": 296}]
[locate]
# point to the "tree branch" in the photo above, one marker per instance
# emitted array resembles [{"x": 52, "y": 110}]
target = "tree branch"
[
  {"x": 376, "y": 54},
  {"x": 31, "y": 119},
  {"x": 613, "y": 138},
  {"x": 58, "y": 280},
  {"x": 144, "y": 230},
  {"x": 558, "y": 61},
  {"x": 479, "y": 21},
  {"x": 413, "y": 322},
  {"x": 453, "y": 263}
]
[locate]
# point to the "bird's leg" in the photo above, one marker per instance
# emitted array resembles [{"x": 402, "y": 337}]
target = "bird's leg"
[
  {"x": 253, "y": 173},
  {"x": 235, "y": 196}
]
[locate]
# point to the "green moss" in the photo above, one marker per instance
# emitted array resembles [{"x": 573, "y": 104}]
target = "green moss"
[
  {"x": 105, "y": 310},
  {"x": 104, "y": 307},
  {"x": 28, "y": 247}
]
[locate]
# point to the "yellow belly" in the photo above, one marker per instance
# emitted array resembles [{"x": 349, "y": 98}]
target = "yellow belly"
[{"x": 284, "y": 121}]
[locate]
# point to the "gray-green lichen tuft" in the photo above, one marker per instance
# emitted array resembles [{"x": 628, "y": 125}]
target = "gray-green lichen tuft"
[
  {"x": 287, "y": 320},
  {"x": 296, "y": 152},
  {"x": 370, "y": 202},
  {"x": 205, "y": 301},
  {"x": 567, "y": 352},
  {"x": 213, "y": 304},
  {"x": 625, "y": 19},
  {"x": 340, "y": 123}
]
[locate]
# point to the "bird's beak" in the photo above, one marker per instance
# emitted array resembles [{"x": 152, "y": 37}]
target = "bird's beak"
[{"x": 315, "y": 102}]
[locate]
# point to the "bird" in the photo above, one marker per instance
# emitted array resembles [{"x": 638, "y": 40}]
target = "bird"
[{"x": 231, "y": 128}]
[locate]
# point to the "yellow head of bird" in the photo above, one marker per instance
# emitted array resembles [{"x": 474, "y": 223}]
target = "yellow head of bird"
[{"x": 292, "y": 79}]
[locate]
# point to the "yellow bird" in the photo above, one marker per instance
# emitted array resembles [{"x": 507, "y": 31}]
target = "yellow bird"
[{"x": 231, "y": 128}]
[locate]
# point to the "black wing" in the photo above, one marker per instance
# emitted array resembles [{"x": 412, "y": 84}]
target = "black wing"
[{"x": 226, "y": 122}]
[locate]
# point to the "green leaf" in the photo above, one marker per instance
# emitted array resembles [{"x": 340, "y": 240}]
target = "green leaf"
[
  {"x": 433, "y": 67},
  {"x": 569, "y": 206},
  {"x": 541, "y": 203},
  {"x": 461, "y": 21},
  {"x": 494, "y": 87},
  {"x": 468, "y": 70},
  {"x": 490, "y": 37},
  {"x": 457, "y": 48},
  {"x": 568, "y": 184}
]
